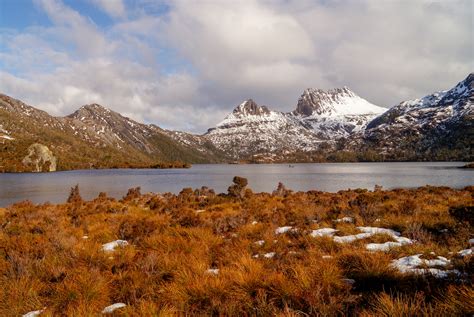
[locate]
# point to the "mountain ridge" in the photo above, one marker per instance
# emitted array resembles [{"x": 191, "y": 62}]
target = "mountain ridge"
[
  {"x": 320, "y": 116},
  {"x": 331, "y": 125},
  {"x": 91, "y": 137}
]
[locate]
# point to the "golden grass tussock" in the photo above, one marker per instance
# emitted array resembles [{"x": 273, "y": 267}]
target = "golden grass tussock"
[{"x": 242, "y": 254}]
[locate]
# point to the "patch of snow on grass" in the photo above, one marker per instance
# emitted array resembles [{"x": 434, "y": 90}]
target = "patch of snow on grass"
[
  {"x": 382, "y": 246},
  {"x": 377, "y": 230},
  {"x": 260, "y": 242},
  {"x": 109, "y": 247},
  {"x": 352, "y": 238},
  {"x": 33, "y": 313},
  {"x": 345, "y": 219},
  {"x": 324, "y": 232},
  {"x": 465, "y": 252},
  {"x": 269, "y": 255},
  {"x": 411, "y": 264},
  {"x": 110, "y": 309},
  {"x": 370, "y": 231},
  {"x": 284, "y": 229}
]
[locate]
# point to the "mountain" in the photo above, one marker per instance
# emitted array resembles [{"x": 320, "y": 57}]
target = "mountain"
[
  {"x": 335, "y": 113},
  {"x": 252, "y": 129},
  {"x": 439, "y": 126},
  {"x": 332, "y": 125},
  {"x": 91, "y": 137},
  {"x": 320, "y": 117}
]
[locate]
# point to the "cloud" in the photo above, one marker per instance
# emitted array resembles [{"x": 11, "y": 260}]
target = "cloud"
[
  {"x": 186, "y": 64},
  {"x": 387, "y": 51},
  {"x": 114, "y": 8}
]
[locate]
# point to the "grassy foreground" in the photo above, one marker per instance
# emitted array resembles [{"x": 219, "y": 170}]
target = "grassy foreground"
[{"x": 238, "y": 254}]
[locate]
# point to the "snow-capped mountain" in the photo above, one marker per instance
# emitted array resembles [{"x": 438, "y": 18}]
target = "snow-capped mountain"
[
  {"x": 320, "y": 116},
  {"x": 439, "y": 124},
  {"x": 333, "y": 125},
  {"x": 252, "y": 129},
  {"x": 333, "y": 103},
  {"x": 335, "y": 113}
]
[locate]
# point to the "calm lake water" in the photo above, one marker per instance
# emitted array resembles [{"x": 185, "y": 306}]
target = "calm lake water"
[{"x": 332, "y": 177}]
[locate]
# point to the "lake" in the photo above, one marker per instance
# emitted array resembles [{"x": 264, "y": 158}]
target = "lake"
[{"x": 332, "y": 177}]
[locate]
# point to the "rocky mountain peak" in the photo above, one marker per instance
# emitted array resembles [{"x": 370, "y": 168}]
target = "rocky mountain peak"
[
  {"x": 333, "y": 102},
  {"x": 90, "y": 111},
  {"x": 250, "y": 108},
  {"x": 465, "y": 87},
  {"x": 318, "y": 101},
  {"x": 470, "y": 80}
]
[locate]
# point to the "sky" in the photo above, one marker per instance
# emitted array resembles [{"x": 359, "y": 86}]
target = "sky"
[{"x": 184, "y": 65}]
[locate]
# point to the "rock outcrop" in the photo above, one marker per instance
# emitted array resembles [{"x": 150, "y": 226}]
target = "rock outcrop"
[
  {"x": 40, "y": 158},
  {"x": 238, "y": 188}
]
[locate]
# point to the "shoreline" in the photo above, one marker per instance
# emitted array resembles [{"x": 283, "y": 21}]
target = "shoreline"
[{"x": 188, "y": 166}]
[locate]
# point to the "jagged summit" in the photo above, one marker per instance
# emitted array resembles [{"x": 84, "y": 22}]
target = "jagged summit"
[
  {"x": 338, "y": 101},
  {"x": 437, "y": 122},
  {"x": 250, "y": 108},
  {"x": 92, "y": 111},
  {"x": 460, "y": 94}
]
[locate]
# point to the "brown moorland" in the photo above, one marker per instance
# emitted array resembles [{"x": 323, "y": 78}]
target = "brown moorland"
[{"x": 240, "y": 253}]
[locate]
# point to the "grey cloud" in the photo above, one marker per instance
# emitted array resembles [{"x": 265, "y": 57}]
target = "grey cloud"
[{"x": 386, "y": 51}]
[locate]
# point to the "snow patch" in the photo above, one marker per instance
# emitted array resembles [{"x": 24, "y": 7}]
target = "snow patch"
[
  {"x": 260, "y": 242},
  {"x": 352, "y": 238},
  {"x": 367, "y": 232},
  {"x": 465, "y": 252},
  {"x": 411, "y": 264},
  {"x": 212, "y": 271},
  {"x": 345, "y": 219},
  {"x": 382, "y": 246},
  {"x": 34, "y": 313},
  {"x": 281, "y": 230},
  {"x": 324, "y": 232},
  {"x": 110, "y": 309},
  {"x": 109, "y": 247}
]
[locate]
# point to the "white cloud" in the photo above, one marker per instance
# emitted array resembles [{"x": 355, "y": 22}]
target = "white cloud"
[
  {"x": 114, "y": 8},
  {"x": 186, "y": 68}
]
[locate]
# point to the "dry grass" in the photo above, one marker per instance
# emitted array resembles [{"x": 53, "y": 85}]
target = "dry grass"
[{"x": 46, "y": 261}]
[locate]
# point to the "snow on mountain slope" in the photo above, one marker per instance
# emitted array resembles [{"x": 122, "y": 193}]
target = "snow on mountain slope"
[
  {"x": 252, "y": 129},
  {"x": 335, "y": 113},
  {"x": 430, "y": 111},
  {"x": 97, "y": 123},
  {"x": 442, "y": 119},
  {"x": 320, "y": 116},
  {"x": 334, "y": 103}
]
